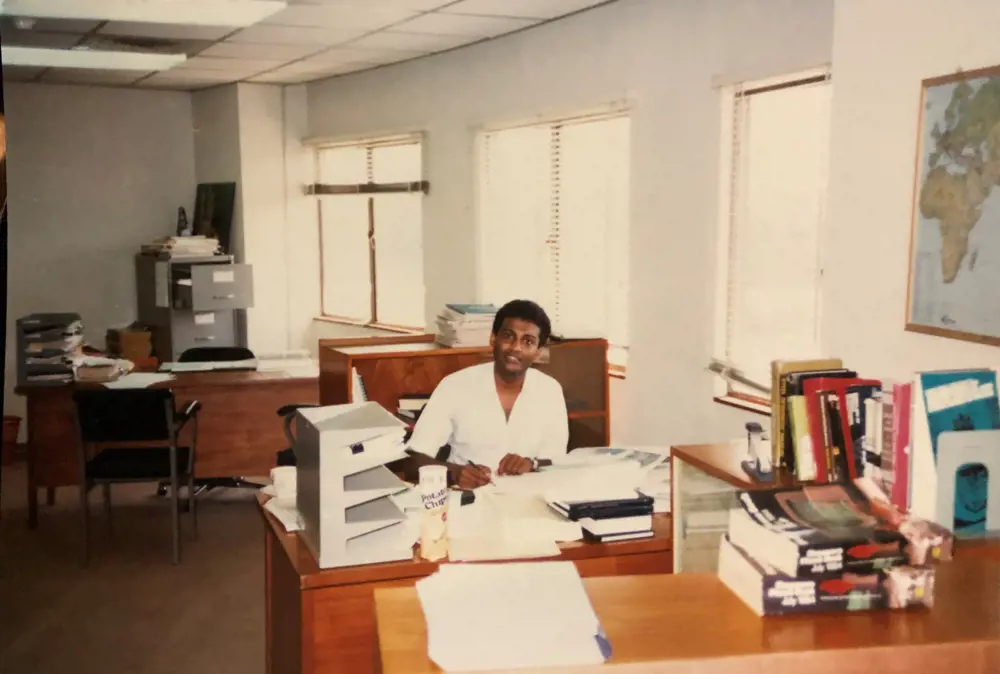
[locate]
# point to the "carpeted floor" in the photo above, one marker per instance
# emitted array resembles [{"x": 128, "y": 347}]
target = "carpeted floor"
[{"x": 131, "y": 611}]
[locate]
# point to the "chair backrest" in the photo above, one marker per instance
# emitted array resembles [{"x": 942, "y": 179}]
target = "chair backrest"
[
  {"x": 215, "y": 354},
  {"x": 124, "y": 415}
]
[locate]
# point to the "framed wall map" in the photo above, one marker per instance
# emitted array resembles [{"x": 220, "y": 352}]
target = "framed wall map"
[{"x": 954, "y": 277}]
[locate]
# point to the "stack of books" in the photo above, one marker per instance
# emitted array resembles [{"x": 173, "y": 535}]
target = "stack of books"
[
  {"x": 47, "y": 346},
  {"x": 829, "y": 548},
  {"x": 182, "y": 246},
  {"x": 465, "y": 325},
  {"x": 609, "y": 520}
]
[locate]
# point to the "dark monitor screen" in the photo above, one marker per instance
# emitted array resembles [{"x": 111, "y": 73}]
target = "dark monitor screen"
[{"x": 213, "y": 211}]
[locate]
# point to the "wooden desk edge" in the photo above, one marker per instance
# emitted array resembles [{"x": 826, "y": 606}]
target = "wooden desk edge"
[
  {"x": 183, "y": 380},
  {"x": 721, "y": 461},
  {"x": 314, "y": 577}
]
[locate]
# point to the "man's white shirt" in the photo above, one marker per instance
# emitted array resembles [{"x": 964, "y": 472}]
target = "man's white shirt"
[{"x": 465, "y": 412}]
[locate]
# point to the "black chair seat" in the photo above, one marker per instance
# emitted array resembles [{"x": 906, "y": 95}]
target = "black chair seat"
[{"x": 135, "y": 463}]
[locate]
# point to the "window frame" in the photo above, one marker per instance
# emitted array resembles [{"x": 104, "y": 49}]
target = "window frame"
[
  {"x": 372, "y": 188},
  {"x": 551, "y": 123},
  {"x": 724, "y": 391}
]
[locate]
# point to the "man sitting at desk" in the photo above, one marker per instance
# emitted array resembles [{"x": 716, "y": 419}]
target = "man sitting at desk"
[{"x": 502, "y": 417}]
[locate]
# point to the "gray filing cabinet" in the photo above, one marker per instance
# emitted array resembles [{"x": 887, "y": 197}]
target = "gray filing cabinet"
[{"x": 193, "y": 301}]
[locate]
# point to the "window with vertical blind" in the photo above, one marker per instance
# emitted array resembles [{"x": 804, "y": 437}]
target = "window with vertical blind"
[
  {"x": 775, "y": 146},
  {"x": 371, "y": 244},
  {"x": 553, "y": 223}
]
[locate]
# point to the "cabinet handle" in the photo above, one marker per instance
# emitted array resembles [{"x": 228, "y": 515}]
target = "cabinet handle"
[
  {"x": 207, "y": 338},
  {"x": 223, "y": 297}
]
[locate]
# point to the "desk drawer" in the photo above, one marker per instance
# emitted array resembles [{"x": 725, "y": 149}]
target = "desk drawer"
[
  {"x": 220, "y": 286},
  {"x": 209, "y": 328}
]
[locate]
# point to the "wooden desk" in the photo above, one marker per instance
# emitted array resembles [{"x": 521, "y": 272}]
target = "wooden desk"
[
  {"x": 239, "y": 432},
  {"x": 693, "y": 624},
  {"x": 323, "y": 621}
]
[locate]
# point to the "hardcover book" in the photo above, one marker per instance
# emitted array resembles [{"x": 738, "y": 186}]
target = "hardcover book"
[
  {"x": 769, "y": 592},
  {"x": 816, "y": 531}
]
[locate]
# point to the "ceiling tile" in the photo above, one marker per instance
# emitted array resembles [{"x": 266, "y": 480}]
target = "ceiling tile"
[
  {"x": 463, "y": 24},
  {"x": 306, "y": 72},
  {"x": 357, "y": 55},
  {"x": 204, "y": 77},
  {"x": 529, "y": 9},
  {"x": 297, "y": 35},
  {"x": 84, "y": 76},
  {"x": 339, "y": 17},
  {"x": 230, "y": 65},
  {"x": 285, "y": 52},
  {"x": 20, "y": 73},
  {"x": 421, "y": 42},
  {"x": 25, "y": 38},
  {"x": 365, "y": 5},
  {"x": 166, "y": 30}
]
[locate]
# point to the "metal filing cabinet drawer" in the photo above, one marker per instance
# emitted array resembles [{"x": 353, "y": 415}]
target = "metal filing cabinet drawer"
[
  {"x": 194, "y": 329},
  {"x": 219, "y": 287}
]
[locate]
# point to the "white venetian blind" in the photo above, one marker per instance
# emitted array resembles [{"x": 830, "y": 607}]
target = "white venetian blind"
[
  {"x": 395, "y": 223},
  {"x": 778, "y": 176},
  {"x": 554, "y": 222}
]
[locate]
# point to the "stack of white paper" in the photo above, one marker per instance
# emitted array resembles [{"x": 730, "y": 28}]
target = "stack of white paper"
[{"x": 522, "y": 615}]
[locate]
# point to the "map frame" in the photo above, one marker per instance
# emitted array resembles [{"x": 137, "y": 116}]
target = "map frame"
[{"x": 922, "y": 132}]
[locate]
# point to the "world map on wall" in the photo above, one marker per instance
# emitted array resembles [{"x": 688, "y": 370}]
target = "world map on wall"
[{"x": 955, "y": 272}]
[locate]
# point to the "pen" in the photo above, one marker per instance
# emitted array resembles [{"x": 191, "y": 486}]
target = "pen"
[{"x": 488, "y": 472}]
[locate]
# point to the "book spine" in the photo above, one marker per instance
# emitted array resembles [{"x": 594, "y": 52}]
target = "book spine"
[{"x": 819, "y": 560}]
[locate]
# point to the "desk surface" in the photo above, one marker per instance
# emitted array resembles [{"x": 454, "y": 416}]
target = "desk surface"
[
  {"x": 313, "y": 577},
  {"x": 722, "y": 461},
  {"x": 693, "y": 624}
]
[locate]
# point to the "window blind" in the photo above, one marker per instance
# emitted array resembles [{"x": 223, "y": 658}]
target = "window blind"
[
  {"x": 372, "y": 245},
  {"x": 553, "y": 223},
  {"x": 777, "y": 193}
]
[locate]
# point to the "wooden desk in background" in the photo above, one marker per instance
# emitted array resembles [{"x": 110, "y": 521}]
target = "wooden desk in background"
[
  {"x": 239, "y": 431},
  {"x": 693, "y": 624},
  {"x": 323, "y": 621}
]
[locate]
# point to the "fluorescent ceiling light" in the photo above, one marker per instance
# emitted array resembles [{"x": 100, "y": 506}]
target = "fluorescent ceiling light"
[
  {"x": 89, "y": 59},
  {"x": 236, "y": 13}
]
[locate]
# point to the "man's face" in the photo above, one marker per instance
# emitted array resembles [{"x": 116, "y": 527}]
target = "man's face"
[{"x": 515, "y": 346}]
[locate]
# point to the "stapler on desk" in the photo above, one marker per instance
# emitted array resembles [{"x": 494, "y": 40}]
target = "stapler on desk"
[{"x": 758, "y": 466}]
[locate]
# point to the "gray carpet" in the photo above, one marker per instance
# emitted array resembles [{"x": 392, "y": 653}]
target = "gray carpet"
[{"x": 131, "y": 611}]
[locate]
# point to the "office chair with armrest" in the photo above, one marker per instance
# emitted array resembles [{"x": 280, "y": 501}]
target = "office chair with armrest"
[
  {"x": 134, "y": 433},
  {"x": 215, "y": 354},
  {"x": 286, "y": 457}
]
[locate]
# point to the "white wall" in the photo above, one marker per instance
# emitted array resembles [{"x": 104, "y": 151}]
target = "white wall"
[
  {"x": 93, "y": 173},
  {"x": 217, "y": 149},
  {"x": 661, "y": 55},
  {"x": 262, "y": 189},
  {"x": 882, "y": 51}
]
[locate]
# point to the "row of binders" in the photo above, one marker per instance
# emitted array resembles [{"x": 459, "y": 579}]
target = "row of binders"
[{"x": 929, "y": 443}]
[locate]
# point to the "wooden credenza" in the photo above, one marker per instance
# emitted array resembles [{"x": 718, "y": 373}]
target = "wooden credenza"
[{"x": 416, "y": 365}]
